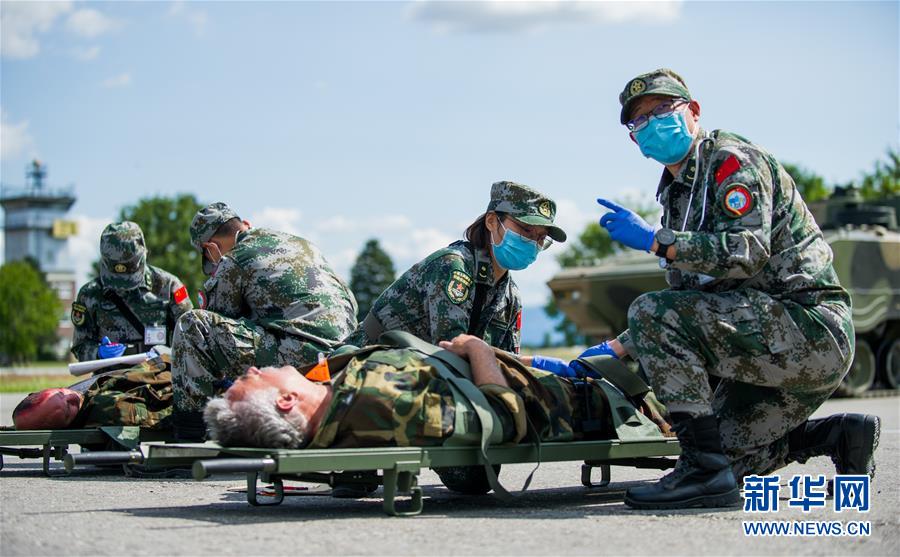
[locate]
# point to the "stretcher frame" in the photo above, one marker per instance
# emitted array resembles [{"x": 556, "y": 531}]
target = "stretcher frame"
[
  {"x": 399, "y": 467},
  {"x": 54, "y": 443}
]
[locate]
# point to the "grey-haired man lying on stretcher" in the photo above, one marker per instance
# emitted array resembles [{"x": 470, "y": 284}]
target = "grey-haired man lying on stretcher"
[{"x": 395, "y": 397}]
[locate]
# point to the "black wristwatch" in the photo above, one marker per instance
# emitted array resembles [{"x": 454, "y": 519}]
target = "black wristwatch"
[{"x": 664, "y": 238}]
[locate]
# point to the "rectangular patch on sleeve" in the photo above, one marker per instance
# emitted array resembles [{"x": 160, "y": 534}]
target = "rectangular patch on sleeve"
[
  {"x": 519, "y": 321},
  {"x": 181, "y": 294},
  {"x": 729, "y": 167}
]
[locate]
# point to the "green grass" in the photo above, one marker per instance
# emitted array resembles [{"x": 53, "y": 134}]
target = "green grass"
[
  {"x": 564, "y": 352},
  {"x": 47, "y": 363},
  {"x": 14, "y": 383}
]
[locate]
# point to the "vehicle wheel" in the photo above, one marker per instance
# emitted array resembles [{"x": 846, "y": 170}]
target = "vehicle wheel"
[
  {"x": 471, "y": 480},
  {"x": 862, "y": 371},
  {"x": 889, "y": 362}
]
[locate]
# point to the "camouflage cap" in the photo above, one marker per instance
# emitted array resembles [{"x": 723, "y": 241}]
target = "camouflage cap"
[
  {"x": 204, "y": 226},
  {"x": 525, "y": 205},
  {"x": 658, "y": 82},
  {"x": 123, "y": 256}
]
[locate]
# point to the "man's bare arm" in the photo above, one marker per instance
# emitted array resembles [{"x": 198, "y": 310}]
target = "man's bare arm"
[{"x": 485, "y": 369}]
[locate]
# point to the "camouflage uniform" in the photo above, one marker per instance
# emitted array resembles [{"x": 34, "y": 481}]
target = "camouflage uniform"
[
  {"x": 139, "y": 396},
  {"x": 434, "y": 299},
  {"x": 272, "y": 300},
  {"x": 156, "y": 297},
  {"x": 754, "y": 300},
  {"x": 392, "y": 397}
]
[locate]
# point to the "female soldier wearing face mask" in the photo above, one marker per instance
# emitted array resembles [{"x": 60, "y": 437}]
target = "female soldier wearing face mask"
[{"x": 466, "y": 287}]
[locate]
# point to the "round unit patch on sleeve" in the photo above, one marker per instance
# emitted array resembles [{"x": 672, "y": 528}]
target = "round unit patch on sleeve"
[{"x": 738, "y": 200}]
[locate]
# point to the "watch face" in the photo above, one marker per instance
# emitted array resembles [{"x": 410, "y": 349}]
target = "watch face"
[{"x": 665, "y": 236}]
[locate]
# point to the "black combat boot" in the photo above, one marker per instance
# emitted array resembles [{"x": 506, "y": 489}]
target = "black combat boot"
[
  {"x": 702, "y": 476},
  {"x": 849, "y": 439},
  {"x": 355, "y": 485}
]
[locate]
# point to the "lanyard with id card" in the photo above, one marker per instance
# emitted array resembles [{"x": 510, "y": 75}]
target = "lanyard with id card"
[{"x": 154, "y": 335}]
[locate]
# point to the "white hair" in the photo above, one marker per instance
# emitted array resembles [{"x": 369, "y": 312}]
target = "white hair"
[{"x": 254, "y": 421}]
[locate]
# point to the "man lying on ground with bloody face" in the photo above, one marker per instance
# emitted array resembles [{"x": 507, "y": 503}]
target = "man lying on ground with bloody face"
[{"x": 138, "y": 396}]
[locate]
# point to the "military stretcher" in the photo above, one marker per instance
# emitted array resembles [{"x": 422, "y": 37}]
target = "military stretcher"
[
  {"x": 639, "y": 443},
  {"x": 53, "y": 444},
  {"x": 395, "y": 468}
]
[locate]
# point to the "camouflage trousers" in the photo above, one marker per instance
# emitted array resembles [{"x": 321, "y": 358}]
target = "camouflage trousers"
[
  {"x": 210, "y": 350},
  {"x": 778, "y": 362}
]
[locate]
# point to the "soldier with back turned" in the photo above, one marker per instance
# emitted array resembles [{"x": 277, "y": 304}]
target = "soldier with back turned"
[{"x": 271, "y": 299}]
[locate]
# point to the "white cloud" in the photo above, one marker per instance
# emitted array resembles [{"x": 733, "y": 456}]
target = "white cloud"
[
  {"x": 336, "y": 224},
  {"x": 23, "y": 21},
  {"x": 277, "y": 218},
  {"x": 194, "y": 17},
  {"x": 341, "y": 238},
  {"x": 86, "y": 54},
  {"x": 121, "y": 80},
  {"x": 504, "y": 16},
  {"x": 573, "y": 216},
  {"x": 89, "y": 23},
  {"x": 14, "y": 138},
  {"x": 428, "y": 240}
]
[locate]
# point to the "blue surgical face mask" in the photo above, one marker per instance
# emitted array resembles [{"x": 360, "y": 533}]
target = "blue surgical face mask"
[
  {"x": 514, "y": 252},
  {"x": 666, "y": 140}
]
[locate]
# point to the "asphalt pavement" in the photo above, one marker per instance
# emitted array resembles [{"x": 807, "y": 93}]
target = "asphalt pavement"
[{"x": 101, "y": 512}]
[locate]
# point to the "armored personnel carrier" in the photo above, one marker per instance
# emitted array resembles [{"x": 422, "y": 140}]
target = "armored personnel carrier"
[{"x": 866, "y": 242}]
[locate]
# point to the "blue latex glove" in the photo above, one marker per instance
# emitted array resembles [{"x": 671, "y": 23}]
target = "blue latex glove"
[
  {"x": 555, "y": 366},
  {"x": 626, "y": 226},
  {"x": 602, "y": 349},
  {"x": 109, "y": 349},
  {"x": 579, "y": 370}
]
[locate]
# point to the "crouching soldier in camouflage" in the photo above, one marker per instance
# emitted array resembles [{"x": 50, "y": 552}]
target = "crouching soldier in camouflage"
[
  {"x": 754, "y": 300},
  {"x": 271, "y": 299},
  {"x": 384, "y": 396},
  {"x": 131, "y": 306},
  {"x": 138, "y": 396}
]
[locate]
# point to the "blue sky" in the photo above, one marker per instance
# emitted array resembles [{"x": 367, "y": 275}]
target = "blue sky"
[{"x": 342, "y": 121}]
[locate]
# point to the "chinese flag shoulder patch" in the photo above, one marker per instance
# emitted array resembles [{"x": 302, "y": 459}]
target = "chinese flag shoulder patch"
[
  {"x": 180, "y": 295},
  {"x": 729, "y": 167},
  {"x": 519, "y": 321}
]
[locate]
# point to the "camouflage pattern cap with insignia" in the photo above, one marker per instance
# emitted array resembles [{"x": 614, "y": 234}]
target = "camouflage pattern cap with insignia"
[
  {"x": 204, "y": 226},
  {"x": 525, "y": 205},
  {"x": 123, "y": 256},
  {"x": 658, "y": 82}
]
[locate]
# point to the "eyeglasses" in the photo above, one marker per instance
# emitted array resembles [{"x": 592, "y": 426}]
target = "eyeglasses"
[
  {"x": 530, "y": 234},
  {"x": 661, "y": 110}
]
